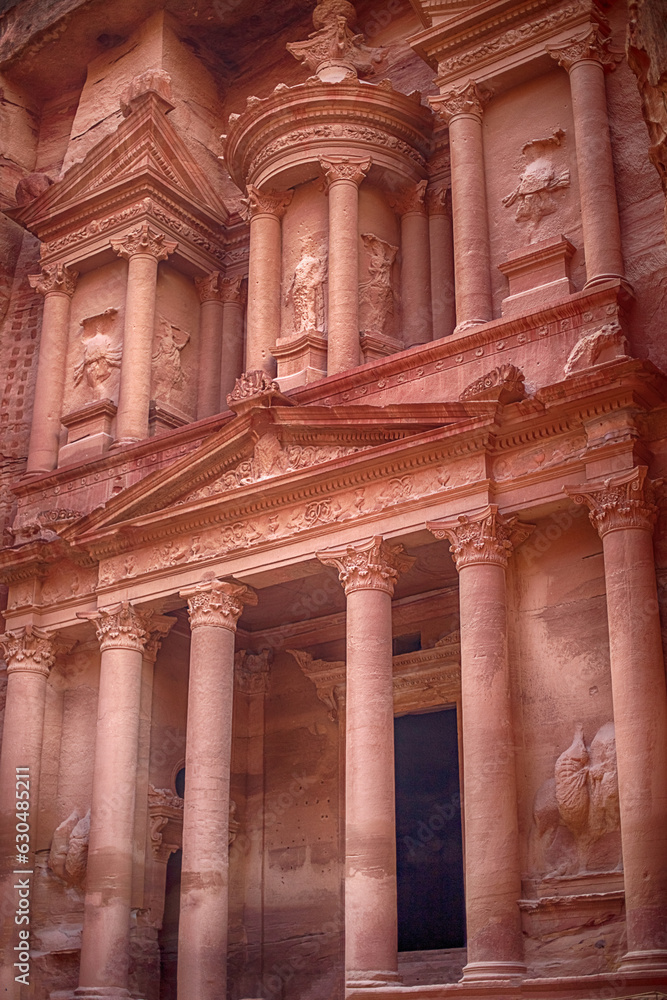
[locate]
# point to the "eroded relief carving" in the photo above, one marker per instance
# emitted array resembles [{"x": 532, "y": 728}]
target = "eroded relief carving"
[
  {"x": 164, "y": 808},
  {"x": 505, "y": 384},
  {"x": 101, "y": 356},
  {"x": 168, "y": 371},
  {"x": 582, "y": 798},
  {"x": 334, "y": 51},
  {"x": 376, "y": 294},
  {"x": 306, "y": 290},
  {"x": 68, "y": 856},
  {"x": 533, "y": 197},
  {"x": 606, "y": 344}
]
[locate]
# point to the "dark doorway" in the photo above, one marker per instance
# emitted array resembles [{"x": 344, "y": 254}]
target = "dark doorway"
[
  {"x": 429, "y": 844},
  {"x": 168, "y": 934}
]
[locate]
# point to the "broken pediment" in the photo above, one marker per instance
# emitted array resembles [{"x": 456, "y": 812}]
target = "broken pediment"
[{"x": 144, "y": 155}]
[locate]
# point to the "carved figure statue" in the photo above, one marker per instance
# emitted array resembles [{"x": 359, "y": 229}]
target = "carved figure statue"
[
  {"x": 533, "y": 196},
  {"x": 307, "y": 290},
  {"x": 582, "y": 797},
  {"x": 169, "y": 373},
  {"x": 68, "y": 856},
  {"x": 100, "y": 357},
  {"x": 376, "y": 295}
]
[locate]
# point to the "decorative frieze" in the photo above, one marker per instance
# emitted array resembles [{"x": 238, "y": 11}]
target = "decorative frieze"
[
  {"x": 143, "y": 240},
  {"x": 371, "y": 565},
  {"x": 218, "y": 603},
  {"x": 28, "y": 650},
  {"x": 620, "y": 502},
  {"x": 487, "y": 537}
]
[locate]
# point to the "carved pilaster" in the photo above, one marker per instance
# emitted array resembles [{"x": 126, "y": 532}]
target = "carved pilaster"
[
  {"x": 593, "y": 47},
  {"x": 624, "y": 501},
  {"x": 251, "y": 670},
  {"x": 371, "y": 565},
  {"x": 121, "y": 626},
  {"x": 265, "y": 202},
  {"x": 467, "y": 100},
  {"x": 487, "y": 537},
  {"x": 412, "y": 199},
  {"x": 54, "y": 278},
  {"x": 28, "y": 650},
  {"x": 345, "y": 168},
  {"x": 218, "y": 603},
  {"x": 143, "y": 240}
]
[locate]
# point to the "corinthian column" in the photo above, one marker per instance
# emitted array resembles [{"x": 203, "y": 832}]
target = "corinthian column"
[
  {"x": 439, "y": 204},
  {"x": 210, "y": 344},
  {"x": 343, "y": 176},
  {"x": 586, "y": 61},
  {"x": 142, "y": 248},
  {"x": 462, "y": 111},
  {"x": 214, "y": 610},
  {"x": 416, "y": 322},
  {"x": 122, "y": 631},
  {"x": 623, "y": 512},
  {"x": 368, "y": 572},
  {"x": 233, "y": 298},
  {"x": 265, "y": 210},
  {"x": 56, "y": 283},
  {"x": 481, "y": 546}
]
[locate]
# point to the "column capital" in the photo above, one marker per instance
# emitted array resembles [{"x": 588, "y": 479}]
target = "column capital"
[
  {"x": 28, "y": 650},
  {"x": 160, "y": 626},
  {"x": 251, "y": 670},
  {"x": 210, "y": 287},
  {"x": 469, "y": 100},
  {"x": 344, "y": 168},
  {"x": 410, "y": 199},
  {"x": 593, "y": 47},
  {"x": 488, "y": 537},
  {"x": 265, "y": 202},
  {"x": 439, "y": 200},
  {"x": 234, "y": 289},
  {"x": 371, "y": 565},
  {"x": 623, "y": 501},
  {"x": 122, "y": 626},
  {"x": 143, "y": 240},
  {"x": 54, "y": 278},
  {"x": 218, "y": 603}
]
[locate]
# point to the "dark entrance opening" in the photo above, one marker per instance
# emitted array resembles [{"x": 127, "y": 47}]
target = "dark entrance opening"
[
  {"x": 429, "y": 843},
  {"x": 168, "y": 933}
]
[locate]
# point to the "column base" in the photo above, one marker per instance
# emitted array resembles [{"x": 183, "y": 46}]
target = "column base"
[
  {"x": 493, "y": 972},
  {"x": 468, "y": 324},
  {"x": 598, "y": 279},
  {"x": 370, "y": 979},
  {"x": 103, "y": 993},
  {"x": 124, "y": 442},
  {"x": 654, "y": 960}
]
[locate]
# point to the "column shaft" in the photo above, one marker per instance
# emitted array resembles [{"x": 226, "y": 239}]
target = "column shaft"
[
  {"x": 640, "y": 718},
  {"x": 343, "y": 351},
  {"x": 106, "y": 928},
  {"x": 595, "y": 167},
  {"x": 371, "y": 929},
  {"x": 442, "y": 266},
  {"x": 210, "y": 354},
  {"x": 415, "y": 279},
  {"x": 472, "y": 266},
  {"x": 232, "y": 349},
  {"x": 263, "y": 292},
  {"x": 136, "y": 366},
  {"x": 56, "y": 283}
]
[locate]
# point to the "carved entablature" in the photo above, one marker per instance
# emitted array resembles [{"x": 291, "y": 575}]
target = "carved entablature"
[
  {"x": 487, "y": 537},
  {"x": 624, "y": 501},
  {"x": 490, "y": 45},
  {"x": 427, "y": 678}
]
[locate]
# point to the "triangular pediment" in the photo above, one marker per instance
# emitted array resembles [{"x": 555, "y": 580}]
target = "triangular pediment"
[
  {"x": 144, "y": 148},
  {"x": 273, "y": 447}
]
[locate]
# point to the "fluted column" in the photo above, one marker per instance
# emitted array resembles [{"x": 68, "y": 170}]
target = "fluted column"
[
  {"x": 416, "y": 321},
  {"x": 462, "y": 111},
  {"x": 122, "y": 631},
  {"x": 202, "y": 936},
  {"x": 265, "y": 210},
  {"x": 623, "y": 512},
  {"x": 368, "y": 572},
  {"x": 343, "y": 176},
  {"x": 481, "y": 546},
  {"x": 56, "y": 283},
  {"x": 586, "y": 60},
  {"x": 210, "y": 344},
  {"x": 234, "y": 299},
  {"x": 143, "y": 248},
  {"x": 443, "y": 302}
]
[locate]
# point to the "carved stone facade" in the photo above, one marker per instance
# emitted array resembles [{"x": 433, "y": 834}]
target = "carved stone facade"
[{"x": 334, "y": 409}]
